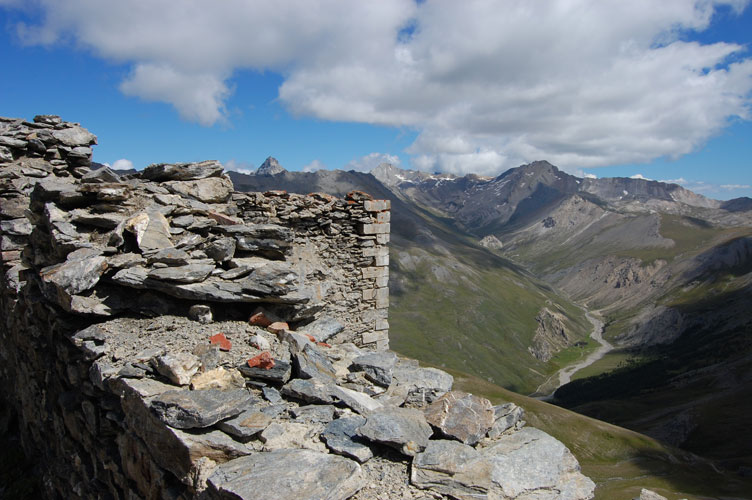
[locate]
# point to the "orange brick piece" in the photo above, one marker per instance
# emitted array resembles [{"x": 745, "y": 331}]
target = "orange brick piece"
[
  {"x": 263, "y": 361},
  {"x": 259, "y": 319},
  {"x": 278, "y": 327},
  {"x": 223, "y": 342}
]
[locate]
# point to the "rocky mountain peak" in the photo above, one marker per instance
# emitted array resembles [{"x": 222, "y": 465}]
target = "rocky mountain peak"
[{"x": 270, "y": 167}]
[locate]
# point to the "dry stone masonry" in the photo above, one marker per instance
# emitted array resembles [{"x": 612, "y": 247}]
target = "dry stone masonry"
[{"x": 164, "y": 336}]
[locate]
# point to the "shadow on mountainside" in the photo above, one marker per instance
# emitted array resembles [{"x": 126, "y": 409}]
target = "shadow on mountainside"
[{"x": 695, "y": 393}]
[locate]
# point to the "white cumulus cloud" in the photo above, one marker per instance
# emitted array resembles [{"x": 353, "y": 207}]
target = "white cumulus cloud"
[
  {"x": 121, "y": 164},
  {"x": 370, "y": 161},
  {"x": 314, "y": 166},
  {"x": 487, "y": 85}
]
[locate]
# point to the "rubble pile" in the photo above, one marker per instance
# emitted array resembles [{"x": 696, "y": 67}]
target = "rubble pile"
[{"x": 166, "y": 337}]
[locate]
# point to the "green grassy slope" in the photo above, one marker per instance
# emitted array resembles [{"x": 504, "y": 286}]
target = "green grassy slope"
[
  {"x": 621, "y": 461},
  {"x": 455, "y": 304}
]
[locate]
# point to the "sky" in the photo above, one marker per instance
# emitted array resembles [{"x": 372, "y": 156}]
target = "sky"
[{"x": 660, "y": 90}]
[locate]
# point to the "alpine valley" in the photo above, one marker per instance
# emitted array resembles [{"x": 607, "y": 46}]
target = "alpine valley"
[{"x": 626, "y": 300}]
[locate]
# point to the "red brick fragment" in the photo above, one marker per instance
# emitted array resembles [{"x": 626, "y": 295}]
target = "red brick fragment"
[
  {"x": 223, "y": 342},
  {"x": 259, "y": 319},
  {"x": 278, "y": 327},
  {"x": 263, "y": 361}
]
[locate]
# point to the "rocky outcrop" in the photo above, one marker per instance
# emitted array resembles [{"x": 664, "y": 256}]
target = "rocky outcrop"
[
  {"x": 550, "y": 335},
  {"x": 166, "y": 337}
]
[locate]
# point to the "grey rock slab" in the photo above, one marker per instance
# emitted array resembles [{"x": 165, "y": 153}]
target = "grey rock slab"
[
  {"x": 12, "y": 143},
  {"x": 341, "y": 437},
  {"x": 169, "y": 256},
  {"x": 274, "y": 278},
  {"x": 221, "y": 250},
  {"x": 423, "y": 384},
  {"x": 182, "y": 171},
  {"x": 258, "y": 231},
  {"x": 183, "y": 409},
  {"x": 271, "y": 394},
  {"x": 178, "y": 367},
  {"x": 191, "y": 273},
  {"x": 75, "y": 136},
  {"x": 299, "y": 474},
  {"x": 358, "y": 401},
  {"x": 524, "y": 464},
  {"x": 404, "y": 429},
  {"x": 507, "y": 416},
  {"x": 378, "y": 366},
  {"x": 313, "y": 413},
  {"x": 323, "y": 328},
  {"x": 183, "y": 221},
  {"x": 73, "y": 277},
  {"x": 452, "y": 468},
  {"x": 16, "y": 227},
  {"x": 310, "y": 390},
  {"x": 246, "y": 424},
  {"x": 104, "y": 221},
  {"x": 279, "y": 373},
  {"x": 100, "y": 175},
  {"x": 152, "y": 230},
  {"x": 207, "y": 190},
  {"x": 462, "y": 416},
  {"x": 310, "y": 362},
  {"x": 290, "y": 435}
]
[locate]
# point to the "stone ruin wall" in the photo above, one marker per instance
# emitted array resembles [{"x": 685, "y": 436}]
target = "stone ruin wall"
[
  {"x": 78, "y": 249},
  {"x": 165, "y": 337}
]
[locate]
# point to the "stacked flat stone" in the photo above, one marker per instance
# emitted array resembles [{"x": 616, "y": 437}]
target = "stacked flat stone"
[{"x": 134, "y": 371}]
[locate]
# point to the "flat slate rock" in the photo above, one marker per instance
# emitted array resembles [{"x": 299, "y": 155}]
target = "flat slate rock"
[
  {"x": 524, "y": 464},
  {"x": 245, "y": 425},
  {"x": 310, "y": 390},
  {"x": 424, "y": 385},
  {"x": 462, "y": 416},
  {"x": 191, "y": 273},
  {"x": 182, "y": 171},
  {"x": 313, "y": 413},
  {"x": 207, "y": 190},
  {"x": 279, "y": 373},
  {"x": 405, "y": 429},
  {"x": 310, "y": 362},
  {"x": 358, "y": 401},
  {"x": 341, "y": 437},
  {"x": 298, "y": 474},
  {"x": 378, "y": 366},
  {"x": 199, "y": 409},
  {"x": 323, "y": 328}
]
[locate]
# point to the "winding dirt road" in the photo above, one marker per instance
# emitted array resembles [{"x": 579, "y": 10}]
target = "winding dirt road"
[{"x": 565, "y": 374}]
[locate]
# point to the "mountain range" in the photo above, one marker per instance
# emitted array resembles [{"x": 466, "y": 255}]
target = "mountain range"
[{"x": 504, "y": 278}]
